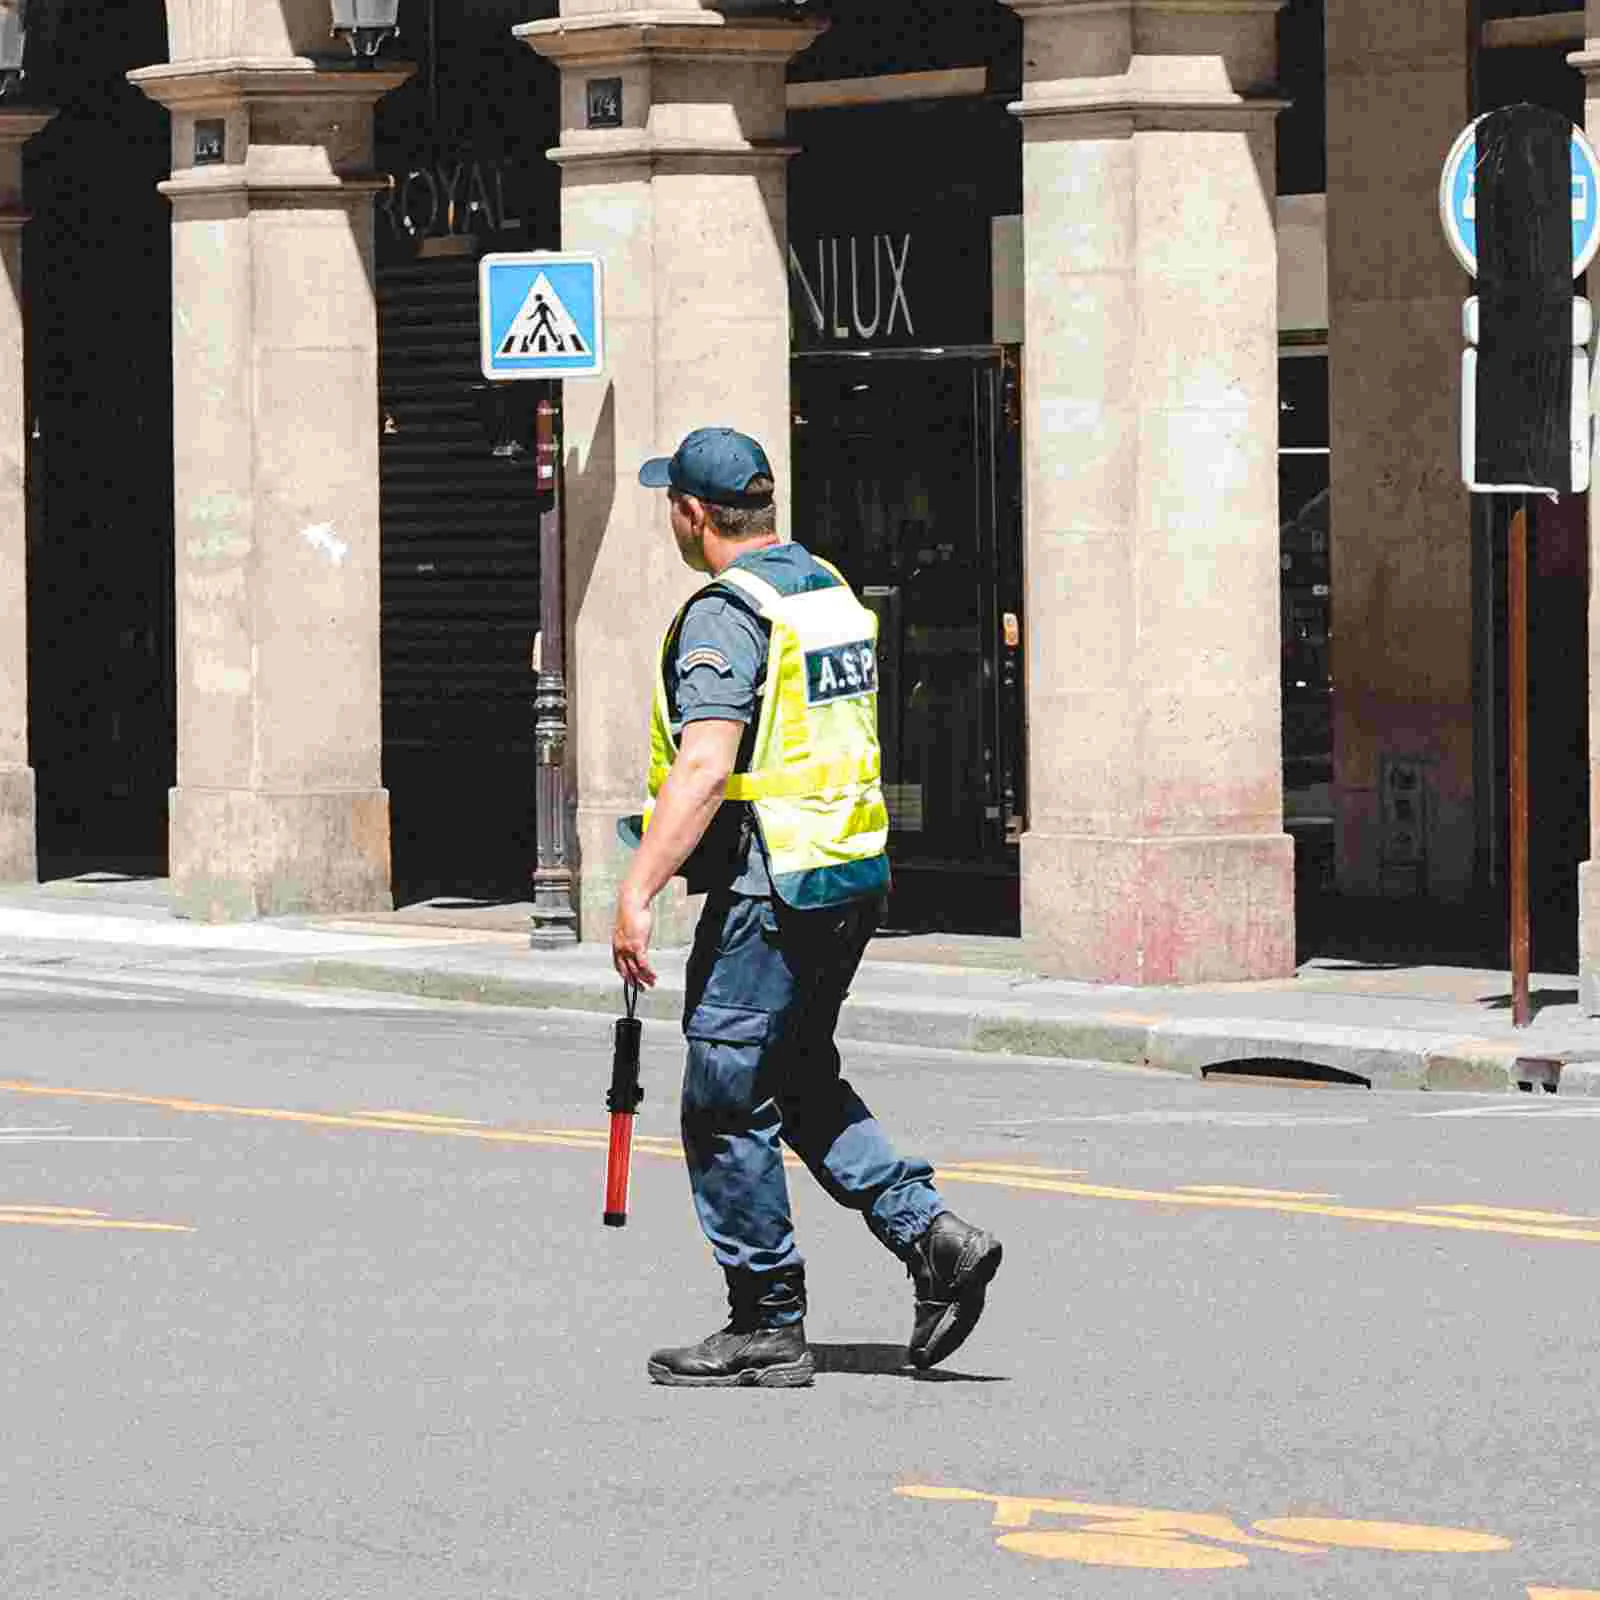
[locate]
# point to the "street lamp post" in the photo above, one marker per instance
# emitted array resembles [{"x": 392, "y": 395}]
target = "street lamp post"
[{"x": 554, "y": 919}]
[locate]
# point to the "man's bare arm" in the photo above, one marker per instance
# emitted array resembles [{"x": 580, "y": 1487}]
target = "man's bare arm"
[{"x": 688, "y": 800}]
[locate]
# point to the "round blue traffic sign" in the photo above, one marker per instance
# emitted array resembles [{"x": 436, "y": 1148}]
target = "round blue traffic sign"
[{"x": 1458, "y": 200}]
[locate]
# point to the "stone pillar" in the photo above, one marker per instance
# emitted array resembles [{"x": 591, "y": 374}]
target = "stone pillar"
[
  {"x": 1156, "y": 852},
  {"x": 1587, "y": 61},
  {"x": 19, "y": 857},
  {"x": 686, "y": 204},
  {"x": 279, "y": 805},
  {"x": 1401, "y": 527}
]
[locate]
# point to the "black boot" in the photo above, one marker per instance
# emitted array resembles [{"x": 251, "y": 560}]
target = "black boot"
[
  {"x": 733, "y": 1358},
  {"x": 950, "y": 1266},
  {"x": 749, "y": 1351}
]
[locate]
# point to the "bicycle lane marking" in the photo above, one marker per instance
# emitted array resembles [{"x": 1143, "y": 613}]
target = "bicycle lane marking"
[{"x": 1158, "y": 1540}]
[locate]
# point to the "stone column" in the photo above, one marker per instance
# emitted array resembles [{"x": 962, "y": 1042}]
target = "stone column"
[
  {"x": 1156, "y": 852},
  {"x": 1401, "y": 528},
  {"x": 19, "y": 857},
  {"x": 279, "y": 805},
  {"x": 1587, "y": 61},
  {"x": 686, "y": 204}
]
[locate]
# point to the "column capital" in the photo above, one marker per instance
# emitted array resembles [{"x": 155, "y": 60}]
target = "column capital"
[
  {"x": 18, "y": 124},
  {"x": 1150, "y": 63},
  {"x": 191, "y": 86},
  {"x": 289, "y": 126},
  {"x": 696, "y": 88},
  {"x": 613, "y": 37}
]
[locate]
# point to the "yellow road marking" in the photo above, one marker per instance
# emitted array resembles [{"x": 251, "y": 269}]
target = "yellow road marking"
[
  {"x": 999, "y": 1176},
  {"x": 41, "y": 1220},
  {"x": 586, "y": 1140},
  {"x": 1139, "y": 1536},
  {"x": 1564, "y": 1594},
  {"x": 1021, "y": 1168},
  {"x": 1109, "y": 1550},
  {"x": 423, "y": 1117},
  {"x": 1305, "y": 1208},
  {"x": 1509, "y": 1216},
  {"x": 1405, "y": 1538},
  {"x": 1253, "y": 1194},
  {"x": 53, "y": 1211}
]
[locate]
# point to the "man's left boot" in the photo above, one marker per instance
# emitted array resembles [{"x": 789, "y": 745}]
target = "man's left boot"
[{"x": 950, "y": 1265}]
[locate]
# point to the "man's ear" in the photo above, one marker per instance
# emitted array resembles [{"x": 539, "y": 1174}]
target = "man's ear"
[{"x": 698, "y": 516}]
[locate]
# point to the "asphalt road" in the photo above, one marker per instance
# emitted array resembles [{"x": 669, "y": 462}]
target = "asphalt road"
[{"x": 310, "y": 1298}]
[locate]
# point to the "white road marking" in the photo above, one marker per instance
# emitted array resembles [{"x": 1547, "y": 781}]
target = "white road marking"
[
  {"x": 1515, "y": 1111},
  {"x": 1210, "y": 1119},
  {"x": 91, "y": 1138},
  {"x": 170, "y": 933}
]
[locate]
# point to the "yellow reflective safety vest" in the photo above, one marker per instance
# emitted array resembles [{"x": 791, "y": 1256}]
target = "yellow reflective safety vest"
[{"x": 815, "y": 768}]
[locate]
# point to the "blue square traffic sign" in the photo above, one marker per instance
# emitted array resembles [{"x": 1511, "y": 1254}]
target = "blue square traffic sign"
[{"x": 541, "y": 316}]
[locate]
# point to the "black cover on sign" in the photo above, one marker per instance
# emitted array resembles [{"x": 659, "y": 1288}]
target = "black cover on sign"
[{"x": 1524, "y": 195}]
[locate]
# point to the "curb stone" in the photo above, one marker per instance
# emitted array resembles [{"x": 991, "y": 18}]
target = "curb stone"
[
  {"x": 1387, "y": 1058},
  {"x": 1580, "y": 1078}
]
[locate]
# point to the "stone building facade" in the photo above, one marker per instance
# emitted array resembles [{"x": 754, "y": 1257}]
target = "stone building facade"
[{"x": 1114, "y": 347}]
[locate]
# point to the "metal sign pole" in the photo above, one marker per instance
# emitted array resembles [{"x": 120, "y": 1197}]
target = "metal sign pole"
[
  {"x": 554, "y": 920},
  {"x": 1517, "y": 697}
]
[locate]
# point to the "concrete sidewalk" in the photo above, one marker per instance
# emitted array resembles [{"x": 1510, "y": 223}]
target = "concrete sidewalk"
[{"x": 1392, "y": 1026}]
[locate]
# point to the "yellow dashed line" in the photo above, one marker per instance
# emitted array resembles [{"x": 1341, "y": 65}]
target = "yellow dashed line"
[
  {"x": 1305, "y": 1208},
  {"x": 53, "y": 1211},
  {"x": 1251, "y": 1194},
  {"x": 1001, "y": 1175},
  {"x": 423, "y": 1117},
  {"x": 44, "y": 1221},
  {"x": 1504, "y": 1215},
  {"x": 1020, "y": 1168}
]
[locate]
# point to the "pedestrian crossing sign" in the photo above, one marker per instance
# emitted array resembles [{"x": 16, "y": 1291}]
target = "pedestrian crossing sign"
[{"x": 541, "y": 317}]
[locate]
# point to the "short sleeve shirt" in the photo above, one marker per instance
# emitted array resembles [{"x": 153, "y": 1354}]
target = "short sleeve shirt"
[{"x": 716, "y": 673}]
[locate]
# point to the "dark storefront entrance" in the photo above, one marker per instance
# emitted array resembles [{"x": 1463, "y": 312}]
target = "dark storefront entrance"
[
  {"x": 905, "y": 473},
  {"x": 460, "y": 515},
  {"x": 98, "y": 290}
]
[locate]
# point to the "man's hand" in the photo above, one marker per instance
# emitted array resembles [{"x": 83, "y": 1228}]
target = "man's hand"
[{"x": 630, "y": 941}]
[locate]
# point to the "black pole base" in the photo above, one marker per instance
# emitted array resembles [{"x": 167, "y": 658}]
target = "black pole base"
[{"x": 616, "y": 1219}]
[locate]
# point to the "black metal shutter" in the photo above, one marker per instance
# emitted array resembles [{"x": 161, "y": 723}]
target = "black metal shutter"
[{"x": 460, "y": 596}]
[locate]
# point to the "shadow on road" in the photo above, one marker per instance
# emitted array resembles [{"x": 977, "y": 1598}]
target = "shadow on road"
[{"x": 887, "y": 1361}]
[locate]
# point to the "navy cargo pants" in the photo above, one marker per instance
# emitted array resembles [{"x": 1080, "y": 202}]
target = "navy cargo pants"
[{"x": 765, "y": 984}]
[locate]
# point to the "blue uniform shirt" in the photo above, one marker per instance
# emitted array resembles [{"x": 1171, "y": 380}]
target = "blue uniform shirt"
[{"x": 717, "y": 672}]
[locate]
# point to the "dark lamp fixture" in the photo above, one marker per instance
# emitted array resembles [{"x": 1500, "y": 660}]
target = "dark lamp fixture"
[
  {"x": 365, "y": 24},
  {"x": 13, "y": 38}
]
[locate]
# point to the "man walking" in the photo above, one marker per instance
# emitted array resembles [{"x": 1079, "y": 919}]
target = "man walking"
[{"x": 765, "y": 794}]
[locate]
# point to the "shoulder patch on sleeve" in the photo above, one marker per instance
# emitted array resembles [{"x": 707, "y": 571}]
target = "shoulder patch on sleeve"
[{"x": 704, "y": 656}]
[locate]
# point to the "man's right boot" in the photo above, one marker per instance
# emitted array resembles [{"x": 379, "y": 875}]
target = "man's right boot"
[
  {"x": 950, "y": 1267},
  {"x": 763, "y": 1345},
  {"x": 734, "y": 1357}
]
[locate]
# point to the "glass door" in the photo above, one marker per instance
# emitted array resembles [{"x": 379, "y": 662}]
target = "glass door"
[{"x": 897, "y": 474}]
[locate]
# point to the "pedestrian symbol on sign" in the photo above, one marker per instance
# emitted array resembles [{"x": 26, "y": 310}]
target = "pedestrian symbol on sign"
[{"x": 543, "y": 327}]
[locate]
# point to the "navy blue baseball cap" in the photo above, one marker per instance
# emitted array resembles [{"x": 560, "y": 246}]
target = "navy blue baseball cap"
[{"x": 713, "y": 464}]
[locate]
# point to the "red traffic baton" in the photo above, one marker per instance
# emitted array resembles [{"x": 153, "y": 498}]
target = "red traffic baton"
[{"x": 623, "y": 1102}]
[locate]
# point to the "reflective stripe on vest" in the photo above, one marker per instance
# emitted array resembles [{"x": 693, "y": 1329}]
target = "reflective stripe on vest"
[{"x": 814, "y": 778}]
